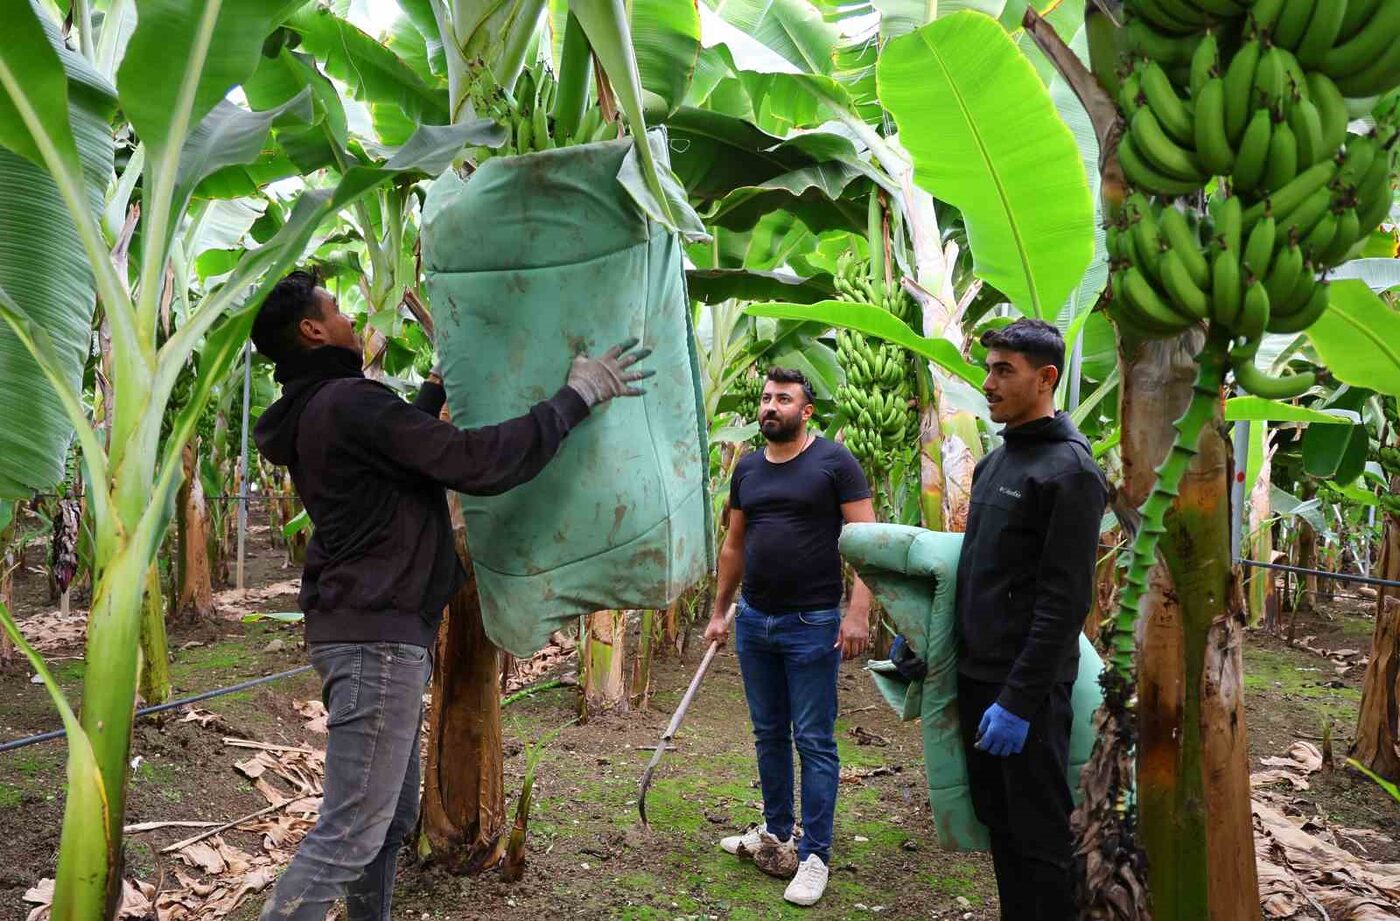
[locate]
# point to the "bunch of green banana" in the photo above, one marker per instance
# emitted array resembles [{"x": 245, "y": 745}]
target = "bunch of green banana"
[
  {"x": 525, "y": 113},
  {"x": 1158, "y": 151},
  {"x": 880, "y": 420},
  {"x": 1388, "y": 456},
  {"x": 1353, "y": 42},
  {"x": 1169, "y": 274},
  {"x": 1184, "y": 17},
  {"x": 749, "y": 390},
  {"x": 877, "y": 397},
  {"x": 1390, "y": 503},
  {"x": 853, "y": 283},
  {"x": 1300, "y": 193}
]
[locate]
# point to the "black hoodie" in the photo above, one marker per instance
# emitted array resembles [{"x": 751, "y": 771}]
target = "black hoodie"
[
  {"x": 372, "y": 470},
  {"x": 1026, "y": 573}
]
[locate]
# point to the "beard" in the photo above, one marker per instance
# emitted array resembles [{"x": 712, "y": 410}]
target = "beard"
[{"x": 778, "y": 430}]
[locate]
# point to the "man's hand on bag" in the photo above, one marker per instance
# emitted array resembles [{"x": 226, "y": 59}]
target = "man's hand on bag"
[
  {"x": 854, "y": 637},
  {"x": 435, "y": 375},
  {"x": 598, "y": 380},
  {"x": 717, "y": 630},
  {"x": 1001, "y": 732}
]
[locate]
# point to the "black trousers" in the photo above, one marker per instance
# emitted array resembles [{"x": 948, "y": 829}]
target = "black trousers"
[{"x": 1024, "y": 800}]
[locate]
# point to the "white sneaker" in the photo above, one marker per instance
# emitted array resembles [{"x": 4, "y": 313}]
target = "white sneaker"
[
  {"x": 745, "y": 845},
  {"x": 808, "y": 885}
]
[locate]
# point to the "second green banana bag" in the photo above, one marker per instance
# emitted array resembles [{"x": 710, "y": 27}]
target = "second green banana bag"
[{"x": 913, "y": 572}]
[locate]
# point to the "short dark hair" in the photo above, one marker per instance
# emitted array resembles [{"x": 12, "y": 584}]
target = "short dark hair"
[
  {"x": 292, "y": 300},
  {"x": 1039, "y": 341},
  {"x": 792, "y": 376}
]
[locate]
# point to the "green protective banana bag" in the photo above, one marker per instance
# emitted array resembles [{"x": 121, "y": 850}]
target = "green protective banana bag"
[
  {"x": 530, "y": 261},
  {"x": 913, "y": 573}
]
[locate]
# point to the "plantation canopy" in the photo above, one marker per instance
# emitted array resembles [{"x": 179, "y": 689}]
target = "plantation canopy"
[{"x": 529, "y": 262}]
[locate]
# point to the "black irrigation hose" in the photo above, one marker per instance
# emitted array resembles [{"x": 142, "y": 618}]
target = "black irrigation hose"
[
  {"x": 527, "y": 691},
  {"x": 159, "y": 708},
  {"x": 1339, "y": 576},
  {"x": 252, "y": 497}
]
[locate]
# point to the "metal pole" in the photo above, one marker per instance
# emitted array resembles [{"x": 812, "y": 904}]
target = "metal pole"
[
  {"x": 1237, "y": 489},
  {"x": 1076, "y": 362},
  {"x": 1366, "y": 557},
  {"x": 243, "y": 486}
]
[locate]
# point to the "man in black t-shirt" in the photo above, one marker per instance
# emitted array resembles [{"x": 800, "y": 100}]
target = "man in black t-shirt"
[{"x": 787, "y": 504}]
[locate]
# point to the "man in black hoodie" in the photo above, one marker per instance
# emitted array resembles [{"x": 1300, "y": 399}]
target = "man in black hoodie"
[
  {"x": 381, "y": 565},
  {"x": 1024, "y": 584}
]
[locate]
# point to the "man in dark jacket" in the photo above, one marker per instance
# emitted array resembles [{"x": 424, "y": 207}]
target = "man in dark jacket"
[
  {"x": 380, "y": 566},
  {"x": 1024, "y": 584}
]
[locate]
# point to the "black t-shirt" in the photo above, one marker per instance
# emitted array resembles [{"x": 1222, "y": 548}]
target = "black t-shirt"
[{"x": 792, "y": 516}]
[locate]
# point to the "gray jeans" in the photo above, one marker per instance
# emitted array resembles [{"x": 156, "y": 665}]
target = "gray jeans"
[{"x": 374, "y": 701}]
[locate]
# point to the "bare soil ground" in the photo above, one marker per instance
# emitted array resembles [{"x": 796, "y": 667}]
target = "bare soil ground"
[{"x": 587, "y": 856}]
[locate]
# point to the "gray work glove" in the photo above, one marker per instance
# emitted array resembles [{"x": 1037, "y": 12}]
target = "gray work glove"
[{"x": 598, "y": 380}]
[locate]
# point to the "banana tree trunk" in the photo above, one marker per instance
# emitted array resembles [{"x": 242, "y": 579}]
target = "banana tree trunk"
[
  {"x": 641, "y": 663},
  {"x": 948, "y": 451},
  {"x": 1259, "y": 583},
  {"x": 671, "y": 629},
  {"x": 110, "y": 682},
  {"x": 195, "y": 598},
  {"x": 1307, "y": 558},
  {"x": 155, "y": 648},
  {"x": 1193, "y": 756},
  {"x": 463, "y": 820},
  {"x": 1378, "y": 728},
  {"x": 931, "y": 491},
  {"x": 602, "y": 652}
]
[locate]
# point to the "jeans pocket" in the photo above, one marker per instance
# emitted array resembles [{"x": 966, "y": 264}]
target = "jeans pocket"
[
  {"x": 339, "y": 665},
  {"x": 820, "y": 618},
  {"x": 409, "y": 653}
]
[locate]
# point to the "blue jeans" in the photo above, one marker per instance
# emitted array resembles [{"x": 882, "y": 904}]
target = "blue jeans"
[
  {"x": 790, "y": 664},
  {"x": 374, "y": 702}
]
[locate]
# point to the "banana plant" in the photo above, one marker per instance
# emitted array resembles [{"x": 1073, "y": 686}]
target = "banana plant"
[{"x": 177, "y": 66}]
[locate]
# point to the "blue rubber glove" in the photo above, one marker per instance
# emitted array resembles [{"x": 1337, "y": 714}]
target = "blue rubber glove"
[{"x": 1001, "y": 732}]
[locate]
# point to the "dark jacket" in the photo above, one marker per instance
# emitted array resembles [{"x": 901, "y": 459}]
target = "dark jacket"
[
  {"x": 1026, "y": 575},
  {"x": 371, "y": 471}
]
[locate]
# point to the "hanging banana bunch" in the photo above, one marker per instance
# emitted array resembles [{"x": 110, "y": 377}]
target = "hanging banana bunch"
[
  {"x": 878, "y": 397},
  {"x": 1267, "y": 113},
  {"x": 749, "y": 390},
  {"x": 1252, "y": 98},
  {"x": 525, "y": 113},
  {"x": 1388, "y": 456}
]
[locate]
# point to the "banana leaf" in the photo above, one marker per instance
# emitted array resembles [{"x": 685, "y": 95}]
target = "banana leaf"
[
  {"x": 742, "y": 173},
  {"x": 37, "y": 265},
  {"x": 713, "y": 286},
  {"x": 399, "y": 98},
  {"x": 985, "y": 137},
  {"x": 873, "y": 321},
  {"x": 1358, "y": 338},
  {"x": 793, "y": 29},
  {"x": 666, "y": 40},
  {"x": 1258, "y": 409}
]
